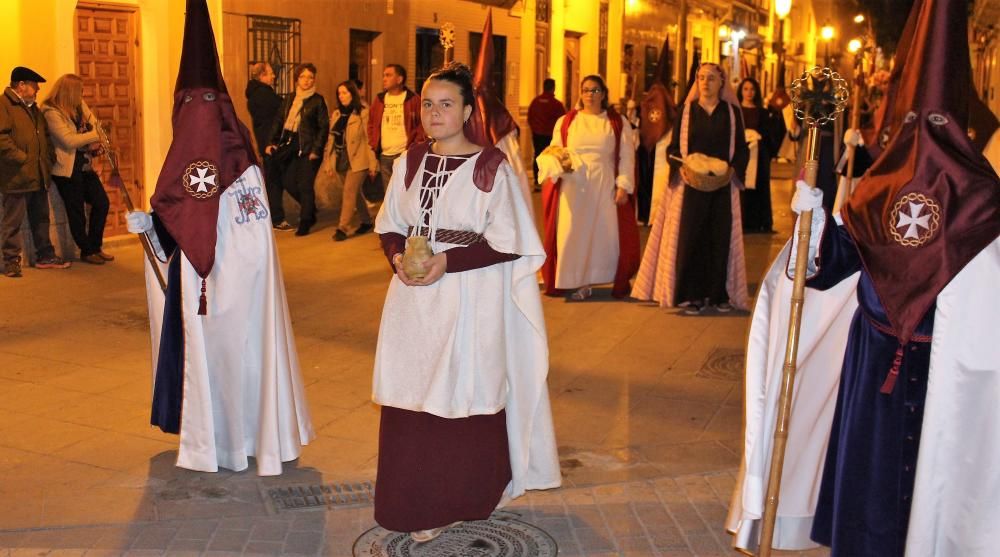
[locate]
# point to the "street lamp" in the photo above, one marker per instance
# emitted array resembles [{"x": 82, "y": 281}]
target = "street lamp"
[
  {"x": 854, "y": 46},
  {"x": 860, "y": 18},
  {"x": 781, "y": 8},
  {"x": 826, "y": 32}
]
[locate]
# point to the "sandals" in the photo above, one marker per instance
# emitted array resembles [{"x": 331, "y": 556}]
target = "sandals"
[
  {"x": 581, "y": 294},
  {"x": 424, "y": 536}
]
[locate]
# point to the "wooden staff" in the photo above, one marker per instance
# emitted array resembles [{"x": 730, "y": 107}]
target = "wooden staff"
[
  {"x": 833, "y": 93},
  {"x": 116, "y": 180}
]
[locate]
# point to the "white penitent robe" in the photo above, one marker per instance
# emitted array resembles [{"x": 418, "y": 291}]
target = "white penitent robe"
[
  {"x": 243, "y": 394},
  {"x": 661, "y": 168},
  {"x": 956, "y": 487},
  {"x": 826, "y": 318},
  {"x": 510, "y": 145},
  {"x": 587, "y": 230},
  {"x": 472, "y": 343}
]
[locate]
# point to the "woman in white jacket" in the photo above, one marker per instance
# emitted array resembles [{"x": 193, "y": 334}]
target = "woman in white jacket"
[{"x": 72, "y": 128}]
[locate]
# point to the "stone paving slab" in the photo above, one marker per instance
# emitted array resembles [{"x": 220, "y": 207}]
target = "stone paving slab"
[{"x": 662, "y": 517}]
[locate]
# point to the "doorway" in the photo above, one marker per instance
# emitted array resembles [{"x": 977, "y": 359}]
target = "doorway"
[
  {"x": 106, "y": 57},
  {"x": 360, "y": 65}
]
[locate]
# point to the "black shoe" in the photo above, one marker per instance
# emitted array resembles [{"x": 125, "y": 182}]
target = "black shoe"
[
  {"x": 303, "y": 229},
  {"x": 12, "y": 268},
  {"x": 339, "y": 236},
  {"x": 365, "y": 228},
  {"x": 52, "y": 262}
]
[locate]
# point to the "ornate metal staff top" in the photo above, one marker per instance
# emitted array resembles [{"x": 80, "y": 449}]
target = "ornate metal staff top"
[
  {"x": 819, "y": 95},
  {"x": 446, "y": 34}
]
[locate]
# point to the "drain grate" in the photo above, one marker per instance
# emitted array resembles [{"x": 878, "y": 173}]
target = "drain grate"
[
  {"x": 305, "y": 497},
  {"x": 725, "y": 364},
  {"x": 502, "y": 535}
]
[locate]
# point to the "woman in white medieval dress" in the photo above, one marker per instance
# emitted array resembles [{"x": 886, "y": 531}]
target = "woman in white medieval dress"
[
  {"x": 465, "y": 422},
  {"x": 587, "y": 247}
]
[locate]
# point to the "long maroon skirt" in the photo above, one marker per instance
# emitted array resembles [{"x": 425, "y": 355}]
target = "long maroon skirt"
[{"x": 433, "y": 471}]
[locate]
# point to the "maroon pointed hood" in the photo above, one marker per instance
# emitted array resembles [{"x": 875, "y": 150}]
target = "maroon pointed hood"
[
  {"x": 931, "y": 202},
  {"x": 658, "y": 109},
  {"x": 211, "y": 148},
  {"x": 490, "y": 120},
  {"x": 886, "y": 121}
]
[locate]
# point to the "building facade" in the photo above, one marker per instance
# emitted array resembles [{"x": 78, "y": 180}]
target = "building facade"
[{"x": 128, "y": 50}]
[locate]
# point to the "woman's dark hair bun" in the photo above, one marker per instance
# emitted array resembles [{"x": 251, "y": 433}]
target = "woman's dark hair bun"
[{"x": 460, "y": 75}]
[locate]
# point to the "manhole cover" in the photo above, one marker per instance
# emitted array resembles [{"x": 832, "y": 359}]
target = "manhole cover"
[
  {"x": 502, "y": 535},
  {"x": 303, "y": 497},
  {"x": 725, "y": 364}
]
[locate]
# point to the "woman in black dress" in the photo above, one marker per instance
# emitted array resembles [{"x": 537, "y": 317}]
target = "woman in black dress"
[{"x": 765, "y": 129}]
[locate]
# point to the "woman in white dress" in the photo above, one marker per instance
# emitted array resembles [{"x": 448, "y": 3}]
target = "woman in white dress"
[
  {"x": 462, "y": 356},
  {"x": 586, "y": 242}
]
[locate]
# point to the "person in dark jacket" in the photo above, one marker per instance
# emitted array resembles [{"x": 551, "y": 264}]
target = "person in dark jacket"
[
  {"x": 298, "y": 137},
  {"x": 26, "y": 159},
  {"x": 263, "y": 104}
]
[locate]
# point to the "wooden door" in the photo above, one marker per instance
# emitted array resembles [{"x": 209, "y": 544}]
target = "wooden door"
[{"x": 107, "y": 44}]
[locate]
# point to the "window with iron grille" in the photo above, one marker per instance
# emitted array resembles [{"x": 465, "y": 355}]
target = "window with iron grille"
[
  {"x": 430, "y": 55},
  {"x": 277, "y": 41}
]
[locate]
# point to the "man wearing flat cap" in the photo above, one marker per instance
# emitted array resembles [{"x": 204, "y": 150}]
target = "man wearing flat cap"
[{"x": 26, "y": 158}]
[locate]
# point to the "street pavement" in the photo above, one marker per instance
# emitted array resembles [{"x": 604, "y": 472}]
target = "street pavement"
[{"x": 647, "y": 406}]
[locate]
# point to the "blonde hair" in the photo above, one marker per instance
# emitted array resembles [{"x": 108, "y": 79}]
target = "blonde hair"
[
  {"x": 67, "y": 94},
  {"x": 258, "y": 69}
]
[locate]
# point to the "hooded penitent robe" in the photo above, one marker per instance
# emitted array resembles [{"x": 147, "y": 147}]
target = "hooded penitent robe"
[
  {"x": 912, "y": 453},
  {"x": 226, "y": 373}
]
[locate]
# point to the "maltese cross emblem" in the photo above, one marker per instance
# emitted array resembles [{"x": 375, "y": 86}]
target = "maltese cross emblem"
[
  {"x": 201, "y": 179},
  {"x": 914, "y": 220}
]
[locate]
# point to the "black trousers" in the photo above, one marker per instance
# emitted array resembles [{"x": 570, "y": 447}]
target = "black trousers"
[
  {"x": 84, "y": 188},
  {"x": 298, "y": 177},
  {"x": 539, "y": 142},
  {"x": 275, "y": 191},
  {"x": 36, "y": 205},
  {"x": 703, "y": 246}
]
